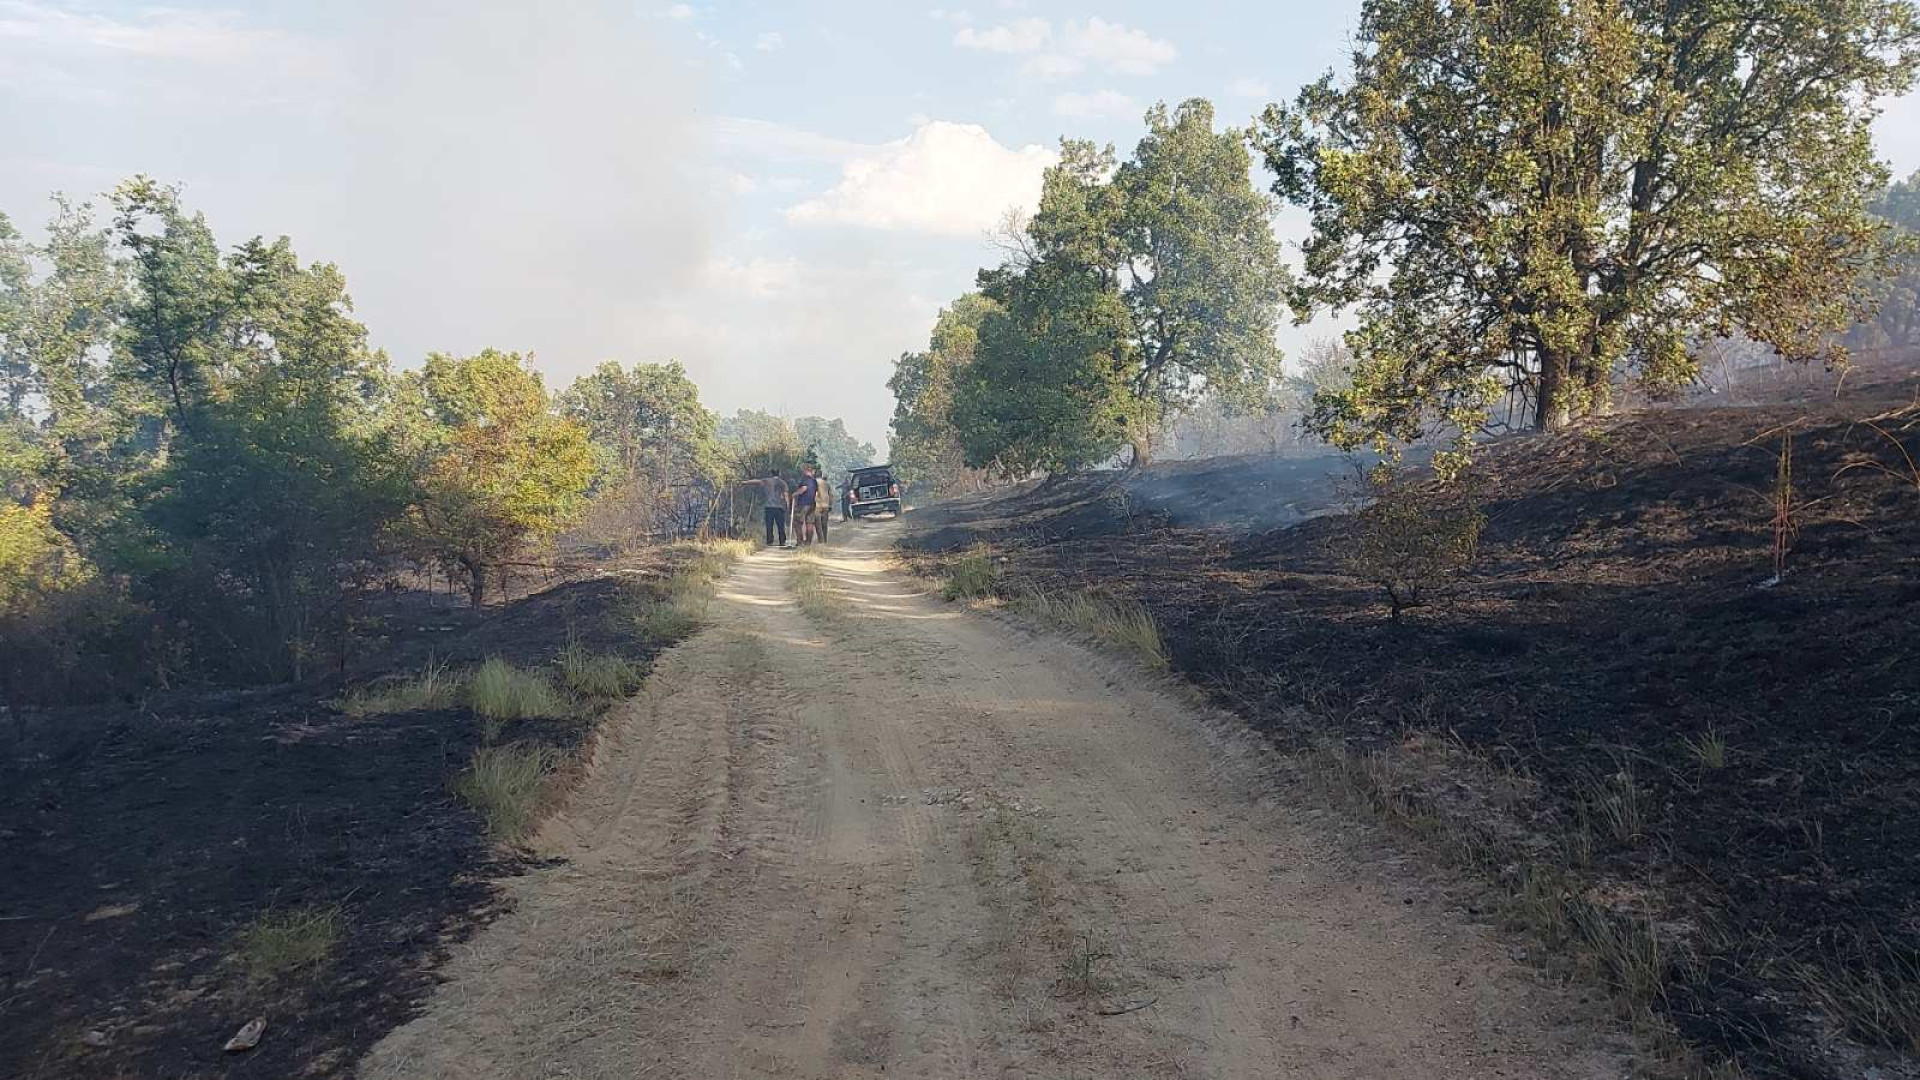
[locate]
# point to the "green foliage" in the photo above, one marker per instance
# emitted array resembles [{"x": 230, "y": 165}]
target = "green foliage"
[
  {"x": 499, "y": 468},
  {"x": 1133, "y": 290},
  {"x": 277, "y": 485},
  {"x": 1896, "y": 319},
  {"x": 925, "y": 447},
  {"x": 662, "y": 471},
  {"x": 832, "y": 447},
  {"x": 1535, "y": 197},
  {"x": 1043, "y": 392},
  {"x": 1410, "y": 535}
]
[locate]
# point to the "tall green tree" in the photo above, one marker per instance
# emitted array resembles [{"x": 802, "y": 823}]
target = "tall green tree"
[
  {"x": 1536, "y": 195},
  {"x": 277, "y": 485},
  {"x": 1896, "y": 319},
  {"x": 499, "y": 467},
  {"x": 924, "y": 444},
  {"x": 647, "y": 418},
  {"x": 1172, "y": 246},
  {"x": 1043, "y": 393}
]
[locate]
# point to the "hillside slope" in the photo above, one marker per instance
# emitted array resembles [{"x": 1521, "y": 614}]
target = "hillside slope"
[{"x": 1611, "y": 634}]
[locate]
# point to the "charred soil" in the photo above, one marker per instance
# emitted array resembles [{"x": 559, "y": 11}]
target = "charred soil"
[
  {"x": 1731, "y": 760},
  {"x": 138, "y": 841}
]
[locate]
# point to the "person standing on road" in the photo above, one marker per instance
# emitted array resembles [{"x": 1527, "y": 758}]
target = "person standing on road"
[
  {"x": 806, "y": 497},
  {"x": 773, "y": 500}
]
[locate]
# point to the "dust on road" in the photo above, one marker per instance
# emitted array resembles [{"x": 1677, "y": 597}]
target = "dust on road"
[{"x": 896, "y": 838}]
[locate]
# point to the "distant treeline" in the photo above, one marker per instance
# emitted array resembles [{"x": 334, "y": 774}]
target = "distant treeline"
[{"x": 207, "y": 468}]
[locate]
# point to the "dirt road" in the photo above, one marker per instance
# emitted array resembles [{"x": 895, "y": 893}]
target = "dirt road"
[{"x": 891, "y": 837}]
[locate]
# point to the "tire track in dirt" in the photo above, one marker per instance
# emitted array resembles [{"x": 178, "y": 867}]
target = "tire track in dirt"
[{"x": 907, "y": 840}]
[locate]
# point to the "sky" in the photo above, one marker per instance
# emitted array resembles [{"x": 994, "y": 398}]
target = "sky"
[{"x": 779, "y": 195}]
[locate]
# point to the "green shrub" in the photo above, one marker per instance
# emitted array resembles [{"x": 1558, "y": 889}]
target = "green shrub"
[{"x": 1410, "y": 537}]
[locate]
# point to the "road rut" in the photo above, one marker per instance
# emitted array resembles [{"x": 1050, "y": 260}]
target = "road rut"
[{"x": 897, "y": 838}]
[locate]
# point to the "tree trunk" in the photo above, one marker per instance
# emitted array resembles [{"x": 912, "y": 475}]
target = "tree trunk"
[
  {"x": 1550, "y": 412},
  {"x": 1142, "y": 452},
  {"x": 476, "y": 580}
]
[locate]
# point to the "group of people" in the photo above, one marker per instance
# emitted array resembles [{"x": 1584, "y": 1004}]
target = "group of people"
[{"x": 807, "y": 503}]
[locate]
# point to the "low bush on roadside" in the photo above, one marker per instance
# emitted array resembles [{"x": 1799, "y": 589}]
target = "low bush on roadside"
[
  {"x": 279, "y": 942},
  {"x": 1410, "y": 537},
  {"x": 973, "y": 576},
  {"x": 505, "y": 784},
  {"x": 499, "y": 691},
  {"x": 434, "y": 687},
  {"x": 1112, "y": 620}
]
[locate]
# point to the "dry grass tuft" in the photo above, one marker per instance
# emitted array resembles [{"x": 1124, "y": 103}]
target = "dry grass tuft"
[
  {"x": 505, "y": 784},
  {"x": 1874, "y": 990},
  {"x": 435, "y": 687},
  {"x": 816, "y": 595},
  {"x": 973, "y": 576},
  {"x": 1111, "y": 620},
  {"x": 279, "y": 942},
  {"x": 665, "y": 611}
]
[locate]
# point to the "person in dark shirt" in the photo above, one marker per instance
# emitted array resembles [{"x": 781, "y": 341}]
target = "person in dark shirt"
[
  {"x": 806, "y": 498},
  {"x": 773, "y": 500}
]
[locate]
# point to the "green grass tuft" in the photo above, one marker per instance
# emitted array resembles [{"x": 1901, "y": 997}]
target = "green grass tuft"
[
  {"x": 279, "y": 942},
  {"x": 500, "y": 692},
  {"x": 598, "y": 676},
  {"x": 505, "y": 783},
  {"x": 434, "y": 687}
]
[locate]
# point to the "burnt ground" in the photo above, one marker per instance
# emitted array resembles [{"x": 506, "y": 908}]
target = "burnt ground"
[
  {"x": 136, "y": 839},
  {"x": 1613, "y": 614}
]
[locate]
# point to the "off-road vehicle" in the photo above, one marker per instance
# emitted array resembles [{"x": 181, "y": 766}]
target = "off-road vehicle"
[{"x": 870, "y": 490}]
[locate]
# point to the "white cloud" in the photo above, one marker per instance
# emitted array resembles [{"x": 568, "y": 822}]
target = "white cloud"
[
  {"x": 758, "y": 276},
  {"x": 1053, "y": 66},
  {"x": 763, "y": 140},
  {"x": 1117, "y": 47},
  {"x": 957, "y": 18},
  {"x": 679, "y": 12},
  {"x": 1071, "y": 48},
  {"x": 1101, "y": 104},
  {"x": 771, "y": 41},
  {"x": 945, "y": 178},
  {"x": 1019, "y": 36},
  {"x": 1249, "y": 87}
]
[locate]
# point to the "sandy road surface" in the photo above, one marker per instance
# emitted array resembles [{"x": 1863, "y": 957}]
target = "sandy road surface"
[{"x": 897, "y": 838}]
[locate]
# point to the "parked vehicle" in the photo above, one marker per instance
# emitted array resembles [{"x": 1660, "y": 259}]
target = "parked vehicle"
[{"x": 870, "y": 490}]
